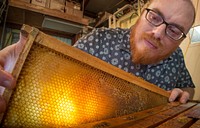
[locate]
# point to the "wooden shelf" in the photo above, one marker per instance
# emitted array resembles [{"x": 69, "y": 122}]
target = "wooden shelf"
[{"x": 49, "y": 12}]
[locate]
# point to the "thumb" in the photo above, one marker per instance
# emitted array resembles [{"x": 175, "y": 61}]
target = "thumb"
[
  {"x": 21, "y": 43},
  {"x": 7, "y": 80}
]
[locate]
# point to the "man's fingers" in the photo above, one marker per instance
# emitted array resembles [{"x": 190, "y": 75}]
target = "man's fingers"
[
  {"x": 6, "y": 80},
  {"x": 174, "y": 94},
  {"x": 178, "y": 93},
  {"x": 184, "y": 97}
]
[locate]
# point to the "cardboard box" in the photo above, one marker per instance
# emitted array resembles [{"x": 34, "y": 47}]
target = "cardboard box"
[
  {"x": 57, "y": 5},
  {"x": 78, "y": 13},
  {"x": 69, "y": 4},
  {"x": 77, "y": 6},
  {"x": 73, "y": 9},
  {"x": 69, "y": 10},
  {"x": 39, "y": 2}
]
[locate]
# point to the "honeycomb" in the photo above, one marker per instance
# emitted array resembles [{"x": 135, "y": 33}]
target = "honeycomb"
[{"x": 55, "y": 90}]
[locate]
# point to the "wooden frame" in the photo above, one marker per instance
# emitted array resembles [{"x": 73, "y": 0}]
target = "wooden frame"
[{"x": 118, "y": 92}]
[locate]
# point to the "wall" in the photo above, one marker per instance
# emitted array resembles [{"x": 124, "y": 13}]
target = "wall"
[{"x": 192, "y": 54}]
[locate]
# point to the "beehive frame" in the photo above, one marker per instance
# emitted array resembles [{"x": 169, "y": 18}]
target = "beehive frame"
[{"x": 58, "y": 85}]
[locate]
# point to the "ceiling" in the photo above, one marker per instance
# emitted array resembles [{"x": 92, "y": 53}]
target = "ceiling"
[
  {"x": 97, "y": 8},
  {"x": 93, "y": 7}
]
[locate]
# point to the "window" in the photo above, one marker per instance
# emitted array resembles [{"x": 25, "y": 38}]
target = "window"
[{"x": 195, "y": 34}]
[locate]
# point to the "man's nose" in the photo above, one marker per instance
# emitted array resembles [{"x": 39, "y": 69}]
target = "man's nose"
[{"x": 159, "y": 31}]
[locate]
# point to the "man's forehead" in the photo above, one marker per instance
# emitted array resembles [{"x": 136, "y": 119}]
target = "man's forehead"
[{"x": 176, "y": 11}]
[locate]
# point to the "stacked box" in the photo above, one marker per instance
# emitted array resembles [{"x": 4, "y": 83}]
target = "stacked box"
[
  {"x": 39, "y": 2},
  {"x": 77, "y": 10},
  {"x": 57, "y": 5},
  {"x": 73, "y": 9},
  {"x": 69, "y": 8},
  {"x": 69, "y": 11},
  {"x": 77, "y": 6},
  {"x": 78, "y": 13},
  {"x": 69, "y": 4}
]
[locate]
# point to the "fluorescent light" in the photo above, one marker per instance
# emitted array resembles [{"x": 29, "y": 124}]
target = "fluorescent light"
[
  {"x": 195, "y": 34},
  {"x": 60, "y": 25}
]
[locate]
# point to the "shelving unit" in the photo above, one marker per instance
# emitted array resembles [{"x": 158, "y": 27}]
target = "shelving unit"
[
  {"x": 20, "y": 13},
  {"x": 46, "y": 11}
]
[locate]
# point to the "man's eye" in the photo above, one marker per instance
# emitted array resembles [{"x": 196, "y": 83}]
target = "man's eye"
[
  {"x": 155, "y": 18},
  {"x": 173, "y": 30}
]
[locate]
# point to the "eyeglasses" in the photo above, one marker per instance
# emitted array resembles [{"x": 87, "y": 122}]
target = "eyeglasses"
[{"x": 174, "y": 32}]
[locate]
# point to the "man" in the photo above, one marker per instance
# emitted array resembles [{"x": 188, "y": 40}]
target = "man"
[{"x": 149, "y": 49}]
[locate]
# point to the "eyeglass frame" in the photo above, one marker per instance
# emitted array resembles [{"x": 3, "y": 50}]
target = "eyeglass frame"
[{"x": 183, "y": 35}]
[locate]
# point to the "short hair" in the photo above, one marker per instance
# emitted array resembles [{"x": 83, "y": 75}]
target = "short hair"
[{"x": 189, "y": 2}]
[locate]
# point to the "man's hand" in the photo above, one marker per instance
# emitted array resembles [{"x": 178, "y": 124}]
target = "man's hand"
[
  {"x": 7, "y": 81},
  {"x": 182, "y": 95},
  {"x": 8, "y": 58}
]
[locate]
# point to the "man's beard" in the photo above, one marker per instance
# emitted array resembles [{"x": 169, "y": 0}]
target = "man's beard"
[{"x": 146, "y": 55}]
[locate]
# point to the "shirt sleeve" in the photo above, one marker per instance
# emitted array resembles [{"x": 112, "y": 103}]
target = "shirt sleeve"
[
  {"x": 184, "y": 78},
  {"x": 89, "y": 43}
]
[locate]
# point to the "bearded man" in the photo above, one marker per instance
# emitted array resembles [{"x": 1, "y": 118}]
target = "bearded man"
[{"x": 150, "y": 48}]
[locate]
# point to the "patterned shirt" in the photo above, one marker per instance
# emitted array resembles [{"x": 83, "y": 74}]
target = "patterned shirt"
[{"x": 113, "y": 46}]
